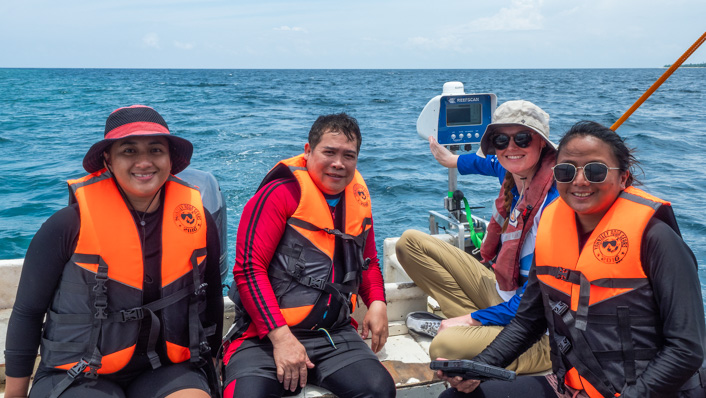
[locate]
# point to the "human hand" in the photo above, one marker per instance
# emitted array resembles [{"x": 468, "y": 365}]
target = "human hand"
[
  {"x": 290, "y": 358},
  {"x": 464, "y": 320},
  {"x": 375, "y": 322},
  {"x": 442, "y": 155},
  {"x": 457, "y": 382}
]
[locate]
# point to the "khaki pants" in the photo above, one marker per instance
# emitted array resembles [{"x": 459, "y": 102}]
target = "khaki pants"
[{"x": 461, "y": 285}]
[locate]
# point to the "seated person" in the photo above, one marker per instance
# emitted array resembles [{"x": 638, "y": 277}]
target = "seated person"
[
  {"x": 479, "y": 301},
  {"x": 614, "y": 283},
  {"x": 127, "y": 275},
  {"x": 305, "y": 250}
]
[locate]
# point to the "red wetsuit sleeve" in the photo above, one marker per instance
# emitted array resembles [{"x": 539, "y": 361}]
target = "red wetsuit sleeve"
[
  {"x": 260, "y": 229},
  {"x": 372, "y": 287}
]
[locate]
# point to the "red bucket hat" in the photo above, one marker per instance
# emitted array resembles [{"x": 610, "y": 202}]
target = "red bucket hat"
[{"x": 138, "y": 120}]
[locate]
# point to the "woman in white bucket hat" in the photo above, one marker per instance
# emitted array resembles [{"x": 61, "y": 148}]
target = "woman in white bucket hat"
[{"x": 477, "y": 300}]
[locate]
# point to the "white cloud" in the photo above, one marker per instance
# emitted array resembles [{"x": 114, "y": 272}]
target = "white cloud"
[
  {"x": 421, "y": 42},
  {"x": 447, "y": 43},
  {"x": 521, "y": 15},
  {"x": 151, "y": 40},
  {"x": 184, "y": 46},
  {"x": 293, "y": 28}
]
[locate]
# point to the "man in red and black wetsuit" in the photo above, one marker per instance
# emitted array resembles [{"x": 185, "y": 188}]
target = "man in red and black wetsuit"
[{"x": 305, "y": 251}]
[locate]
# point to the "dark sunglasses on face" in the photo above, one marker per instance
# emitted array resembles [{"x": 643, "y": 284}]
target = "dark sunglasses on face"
[
  {"x": 594, "y": 172},
  {"x": 501, "y": 141}
]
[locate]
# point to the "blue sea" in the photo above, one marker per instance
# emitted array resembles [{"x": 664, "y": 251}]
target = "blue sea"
[{"x": 243, "y": 121}]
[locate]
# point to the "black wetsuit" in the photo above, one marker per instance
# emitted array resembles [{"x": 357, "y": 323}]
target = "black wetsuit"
[{"x": 672, "y": 270}]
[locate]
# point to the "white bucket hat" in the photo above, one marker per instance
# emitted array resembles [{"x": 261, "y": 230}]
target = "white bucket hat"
[{"x": 512, "y": 113}]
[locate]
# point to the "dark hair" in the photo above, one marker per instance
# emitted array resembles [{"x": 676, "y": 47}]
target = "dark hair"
[
  {"x": 335, "y": 123},
  {"x": 624, "y": 155}
]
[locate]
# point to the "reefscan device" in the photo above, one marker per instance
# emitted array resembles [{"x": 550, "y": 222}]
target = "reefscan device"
[{"x": 456, "y": 118}]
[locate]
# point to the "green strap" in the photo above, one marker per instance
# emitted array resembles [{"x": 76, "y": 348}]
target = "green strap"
[{"x": 476, "y": 237}]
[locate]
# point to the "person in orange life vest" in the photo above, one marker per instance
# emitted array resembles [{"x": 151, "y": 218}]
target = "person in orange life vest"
[
  {"x": 478, "y": 301},
  {"x": 614, "y": 283},
  {"x": 127, "y": 274},
  {"x": 305, "y": 250}
]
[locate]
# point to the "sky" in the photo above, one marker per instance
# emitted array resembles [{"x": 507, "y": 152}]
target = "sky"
[{"x": 354, "y": 34}]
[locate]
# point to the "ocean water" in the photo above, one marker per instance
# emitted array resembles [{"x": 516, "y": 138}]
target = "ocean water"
[{"x": 243, "y": 121}]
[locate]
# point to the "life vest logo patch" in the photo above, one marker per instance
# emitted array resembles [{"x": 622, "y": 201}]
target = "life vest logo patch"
[
  {"x": 361, "y": 195},
  {"x": 188, "y": 218},
  {"x": 611, "y": 246}
]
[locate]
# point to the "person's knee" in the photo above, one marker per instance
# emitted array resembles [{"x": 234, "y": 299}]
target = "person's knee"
[
  {"x": 385, "y": 392},
  {"x": 410, "y": 241},
  {"x": 254, "y": 386},
  {"x": 405, "y": 241},
  {"x": 384, "y": 387},
  {"x": 441, "y": 347},
  {"x": 362, "y": 379},
  {"x": 189, "y": 393},
  {"x": 229, "y": 390},
  {"x": 455, "y": 343}
]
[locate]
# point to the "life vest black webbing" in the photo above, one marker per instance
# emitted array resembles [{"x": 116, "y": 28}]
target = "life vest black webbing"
[{"x": 579, "y": 354}]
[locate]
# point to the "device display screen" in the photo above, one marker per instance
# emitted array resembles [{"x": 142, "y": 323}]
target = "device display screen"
[{"x": 464, "y": 114}]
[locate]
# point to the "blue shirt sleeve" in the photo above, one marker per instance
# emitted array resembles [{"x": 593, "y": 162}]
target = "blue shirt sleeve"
[
  {"x": 501, "y": 314},
  {"x": 470, "y": 163}
]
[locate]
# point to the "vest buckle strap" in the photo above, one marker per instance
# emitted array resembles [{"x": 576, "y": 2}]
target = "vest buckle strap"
[
  {"x": 330, "y": 231},
  {"x": 100, "y": 304},
  {"x": 101, "y": 277},
  {"x": 562, "y": 274},
  {"x": 80, "y": 366},
  {"x": 313, "y": 282},
  {"x": 132, "y": 314},
  {"x": 92, "y": 372},
  {"x": 298, "y": 269},
  {"x": 201, "y": 289},
  {"x": 560, "y": 308},
  {"x": 100, "y": 288},
  {"x": 563, "y": 344}
]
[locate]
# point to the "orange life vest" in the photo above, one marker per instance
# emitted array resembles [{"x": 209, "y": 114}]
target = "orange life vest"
[
  {"x": 306, "y": 250},
  {"x": 94, "y": 319},
  {"x": 600, "y": 306}
]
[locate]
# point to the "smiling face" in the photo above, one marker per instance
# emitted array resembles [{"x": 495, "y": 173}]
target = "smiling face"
[
  {"x": 141, "y": 166},
  {"x": 331, "y": 164},
  {"x": 519, "y": 161},
  {"x": 590, "y": 201}
]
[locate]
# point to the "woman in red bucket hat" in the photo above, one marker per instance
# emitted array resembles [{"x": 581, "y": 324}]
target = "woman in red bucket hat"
[{"x": 127, "y": 276}]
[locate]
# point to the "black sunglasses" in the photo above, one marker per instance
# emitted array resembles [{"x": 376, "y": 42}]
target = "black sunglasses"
[
  {"x": 594, "y": 172},
  {"x": 501, "y": 141}
]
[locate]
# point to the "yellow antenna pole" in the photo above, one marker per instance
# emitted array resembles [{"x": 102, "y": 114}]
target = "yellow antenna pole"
[{"x": 659, "y": 82}]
